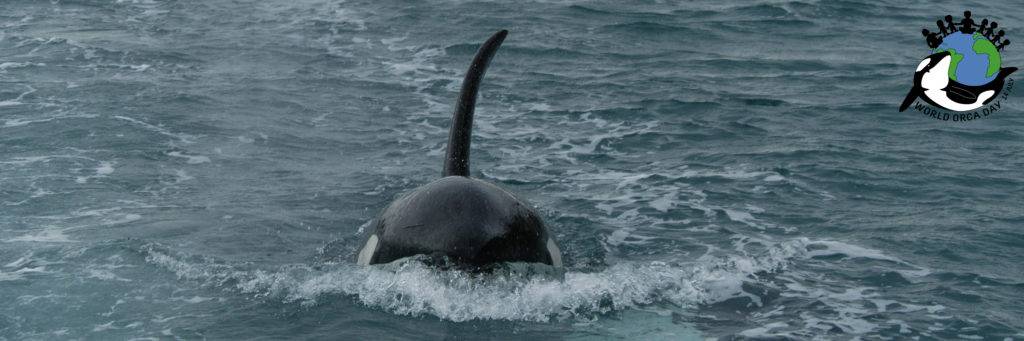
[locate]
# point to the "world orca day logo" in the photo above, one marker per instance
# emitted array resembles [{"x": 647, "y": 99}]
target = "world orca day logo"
[{"x": 963, "y": 79}]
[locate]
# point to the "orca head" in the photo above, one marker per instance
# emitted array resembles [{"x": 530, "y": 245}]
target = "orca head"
[
  {"x": 466, "y": 221},
  {"x": 933, "y": 72}
]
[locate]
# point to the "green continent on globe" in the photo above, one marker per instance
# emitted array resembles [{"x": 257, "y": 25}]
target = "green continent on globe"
[
  {"x": 974, "y": 60},
  {"x": 985, "y": 47},
  {"x": 956, "y": 58}
]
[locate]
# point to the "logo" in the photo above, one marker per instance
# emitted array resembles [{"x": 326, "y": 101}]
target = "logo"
[{"x": 964, "y": 73}]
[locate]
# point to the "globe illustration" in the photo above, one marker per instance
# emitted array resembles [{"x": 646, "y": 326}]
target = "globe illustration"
[{"x": 975, "y": 59}]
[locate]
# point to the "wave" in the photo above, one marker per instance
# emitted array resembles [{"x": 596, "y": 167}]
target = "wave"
[{"x": 517, "y": 292}]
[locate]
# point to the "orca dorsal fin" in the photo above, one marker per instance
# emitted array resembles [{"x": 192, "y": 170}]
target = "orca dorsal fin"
[{"x": 456, "y": 160}]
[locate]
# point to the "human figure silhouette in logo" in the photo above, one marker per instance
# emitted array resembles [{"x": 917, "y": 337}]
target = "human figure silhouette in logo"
[
  {"x": 933, "y": 38},
  {"x": 995, "y": 38},
  {"x": 967, "y": 24},
  {"x": 942, "y": 28},
  {"x": 988, "y": 34},
  {"x": 981, "y": 28},
  {"x": 952, "y": 26},
  {"x": 1000, "y": 47}
]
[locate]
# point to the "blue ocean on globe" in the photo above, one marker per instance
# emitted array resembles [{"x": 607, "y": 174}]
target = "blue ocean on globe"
[{"x": 975, "y": 59}]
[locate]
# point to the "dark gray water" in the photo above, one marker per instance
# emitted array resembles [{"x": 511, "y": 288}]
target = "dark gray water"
[{"x": 206, "y": 169}]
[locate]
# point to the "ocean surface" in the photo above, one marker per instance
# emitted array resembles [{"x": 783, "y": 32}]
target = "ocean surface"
[{"x": 209, "y": 169}]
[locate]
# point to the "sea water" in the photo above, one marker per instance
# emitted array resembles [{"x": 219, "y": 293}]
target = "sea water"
[{"x": 208, "y": 170}]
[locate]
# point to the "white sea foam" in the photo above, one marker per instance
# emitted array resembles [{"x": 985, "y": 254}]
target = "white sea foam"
[
  {"x": 742, "y": 217},
  {"x": 47, "y": 235},
  {"x": 838, "y": 248},
  {"x": 15, "y": 65},
  {"x": 420, "y": 71},
  {"x": 9, "y": 276},
  {"x": 538, "y": 107},
  {"x": 120, "y": 219},
  {"x": 181, "y": 176},
  {"x": 104, "y": 275},
  {"x": 24, "y": 160},
  {"x": 195, "y": 299},
  {"x": 567, "y": 147},
  {"x": 854, "y": 251},
  {"x": 19, "y": 121},
  {"x": 190, "y": 159},
  {"x": 412, "y": 288},
  {"x": 182, "y": 137},
  {"x": 733, "y": 174},
  {"x": 853, "y": 310},
  {"x": 16, "y": 100},
  {"x": 105, "y": 168},
  {"x": 105, "y": 326}
]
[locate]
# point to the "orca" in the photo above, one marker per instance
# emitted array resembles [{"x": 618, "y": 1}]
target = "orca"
[
  {"x": 458, "y": 219},
  {"x": 932, "y": 83}
]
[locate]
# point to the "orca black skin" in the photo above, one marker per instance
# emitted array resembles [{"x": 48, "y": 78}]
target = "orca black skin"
[
  {"x": 966, "y": 94},
  {"x": 465, "y": 220},
  {"x": 932, "y": 80}
]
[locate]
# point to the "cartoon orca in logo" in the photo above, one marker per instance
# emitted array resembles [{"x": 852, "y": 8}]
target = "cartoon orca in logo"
[
  {"x": 932, "y": 83},
  {"x": 458, "y": 218}
]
